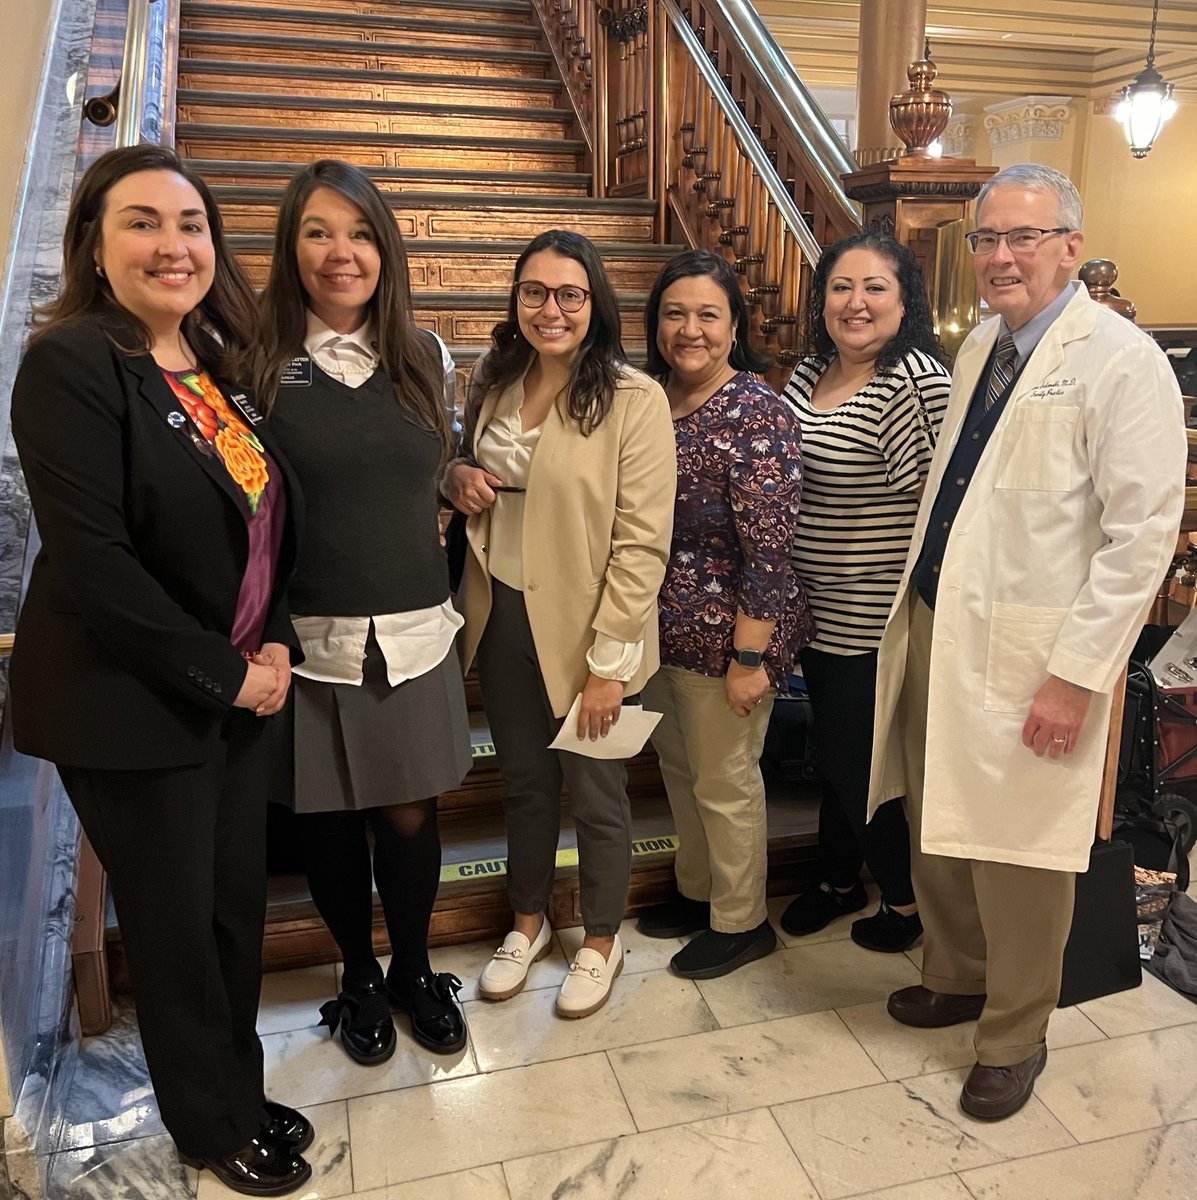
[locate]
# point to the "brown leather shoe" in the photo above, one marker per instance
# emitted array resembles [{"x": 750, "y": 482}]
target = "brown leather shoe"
[
  {"x": 926, "y": 1009},
  {"x": 996, "y": 1092}
]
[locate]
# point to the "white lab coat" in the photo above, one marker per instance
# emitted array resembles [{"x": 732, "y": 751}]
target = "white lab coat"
[{"x": 1064, "y": 535}]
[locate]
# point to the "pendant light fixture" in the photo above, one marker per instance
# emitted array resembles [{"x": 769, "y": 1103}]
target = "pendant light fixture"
[{"x": 1147, "y": 102}]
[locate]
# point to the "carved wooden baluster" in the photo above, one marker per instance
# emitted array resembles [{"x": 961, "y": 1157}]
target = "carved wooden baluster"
[
  {"x": 622, "y": 119},
  {"x": 786, "y": 318},
  {"x": 729, "y": 161},
  {"x": 769, "y": 292},
  {"x": 751, "y": 263},
  {"x": 700, "y": 149},
  {"x": 643, "y": 78},
  {"x": 689, "y": 113},
  {"x": 735, "y": 233}
]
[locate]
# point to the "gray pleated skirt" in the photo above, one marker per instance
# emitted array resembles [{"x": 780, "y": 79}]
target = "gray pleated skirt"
[{"x": 374, "y": 745}]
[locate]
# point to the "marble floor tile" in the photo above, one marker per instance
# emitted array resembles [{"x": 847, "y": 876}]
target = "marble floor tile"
[
  {"x": 1152, "y": 1005},
  {"x": 332, "y": 1169},
  {"x": 467, "y": 961},
  {"x": 141, "y": 1169},
  {"x": 806, "y": 979},
  {"x": 839, "y": 929},
  {"x": 1123, "y": 1084},
  {"x": 740, "y": 1155},
  {"x": 479, "y": 1183},
  {"x": 463, "y": 1123},
  {"x": 1157, "y": 1164},
  {"x": 291, "y": 999},
  {"x": 900, "y": 1133},
  {"x": 642, "y": 1008},
  {"x": 306, "y": 1066},
  {"x": 640, "y": 953},
  {"x": 942, "y": 1187},
  {"x": 901, "y": 1051},
  {"x": 733, "y": 1070}
]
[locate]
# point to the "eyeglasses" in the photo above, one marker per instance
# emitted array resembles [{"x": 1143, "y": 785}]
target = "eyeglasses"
[
  {"x": 1021, "y": 240},
  {"x": 534, "y": 294}
]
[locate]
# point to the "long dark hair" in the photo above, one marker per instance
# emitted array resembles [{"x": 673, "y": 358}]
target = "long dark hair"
[
  {"x": 684, "y": 266},
  {"x": 409, "y": 357},
  {"x": 917, "y": 330},
  {"x": 217, "y": 329},
  {"x": 590, "y": 391}
]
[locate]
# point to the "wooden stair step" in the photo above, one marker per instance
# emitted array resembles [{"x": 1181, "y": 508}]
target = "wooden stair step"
[
  {"x": 334, "y": 115},
  {"x": 378, "y": 149},
  {"x": 468, "y": 181},
  {"x": 452, "y": 215},
  {"x": 395, "y": 26},
  {"x": 504, "y": 12},
  {"x": 460, "y": 60},
  {"x": 349, "y": 83}
]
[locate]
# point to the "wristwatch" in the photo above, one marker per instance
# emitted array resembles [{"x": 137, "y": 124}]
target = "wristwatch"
[{"x": 750, "y": 659}]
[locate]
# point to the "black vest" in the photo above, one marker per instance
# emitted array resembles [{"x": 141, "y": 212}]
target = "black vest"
[{"x": 368, "y": 472}]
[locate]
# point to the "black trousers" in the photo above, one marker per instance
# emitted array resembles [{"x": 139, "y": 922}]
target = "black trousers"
[
  {"x": 185, "y": 852},
  {"x": 842, "y": 692}
]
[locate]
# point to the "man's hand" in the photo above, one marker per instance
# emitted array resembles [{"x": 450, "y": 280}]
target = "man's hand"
[{"x": 1054, "y": 722}]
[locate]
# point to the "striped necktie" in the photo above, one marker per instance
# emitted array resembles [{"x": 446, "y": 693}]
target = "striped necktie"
[{"x": 1003, "y": 369}]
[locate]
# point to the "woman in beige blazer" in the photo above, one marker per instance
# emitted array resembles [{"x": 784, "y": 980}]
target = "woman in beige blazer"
[{"x": 569, "y": 493}]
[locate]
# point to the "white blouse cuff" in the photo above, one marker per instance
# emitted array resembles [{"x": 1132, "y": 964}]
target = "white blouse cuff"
[{"x": 611, "y": 659}]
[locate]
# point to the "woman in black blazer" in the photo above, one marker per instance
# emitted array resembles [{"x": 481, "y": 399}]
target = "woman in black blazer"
[{"x": 154, "y": 638}]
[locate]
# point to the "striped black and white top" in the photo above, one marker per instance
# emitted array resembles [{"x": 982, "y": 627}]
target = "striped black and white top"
[{"x": 863, "y": 462}]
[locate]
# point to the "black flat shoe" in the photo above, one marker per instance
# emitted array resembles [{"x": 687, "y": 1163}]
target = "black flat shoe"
[
  {"x": 713, "y": 954},
  {"x": 363, "y": 1019},
  {"x": 675, "y": 918},
  {"x": 887, "y": 931},
  {"x": 437, "y": 1021},
  {"x": 287, "y": 1127},
  {"x": 262, "y": 1168},
  {"x": 816, "y": 909}
]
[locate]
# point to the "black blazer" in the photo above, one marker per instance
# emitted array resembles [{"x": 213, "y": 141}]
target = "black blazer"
[{"x": 122, "y": 657}]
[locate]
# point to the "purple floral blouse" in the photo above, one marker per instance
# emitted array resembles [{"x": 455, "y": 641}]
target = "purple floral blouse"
[{"x": 739, "y": 470}]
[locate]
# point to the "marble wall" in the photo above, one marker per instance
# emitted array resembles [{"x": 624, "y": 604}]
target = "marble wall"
[{"x": 38, "y": 832}]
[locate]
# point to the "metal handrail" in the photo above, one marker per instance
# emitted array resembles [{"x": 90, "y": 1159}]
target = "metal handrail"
[
  {"x": 145, "y": 107},
  {"x": 796, "y": 107},
  {"x": 748, "y": 140}
]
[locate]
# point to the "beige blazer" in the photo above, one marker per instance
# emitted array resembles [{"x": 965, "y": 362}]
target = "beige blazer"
[{"x": 598, "y": 521}]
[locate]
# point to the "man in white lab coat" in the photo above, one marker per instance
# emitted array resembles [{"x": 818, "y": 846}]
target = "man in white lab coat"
[{"x": 1047, "y": 523}]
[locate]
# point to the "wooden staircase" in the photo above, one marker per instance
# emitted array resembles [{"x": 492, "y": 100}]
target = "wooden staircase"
[{"x": 456, "y": 109}]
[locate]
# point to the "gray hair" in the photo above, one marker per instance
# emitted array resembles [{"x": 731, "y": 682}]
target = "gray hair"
[{"x": 1033, "y": 177}]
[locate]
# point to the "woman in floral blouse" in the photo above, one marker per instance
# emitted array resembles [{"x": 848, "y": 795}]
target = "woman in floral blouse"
[{"x": 732, "y": 613}]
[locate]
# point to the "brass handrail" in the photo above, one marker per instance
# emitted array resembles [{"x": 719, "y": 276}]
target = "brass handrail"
[{"x": 749, "y": 143}]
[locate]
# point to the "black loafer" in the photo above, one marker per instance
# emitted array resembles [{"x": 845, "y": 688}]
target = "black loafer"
[
  {"x": 675, "y": 918},
  {"x": 363, "y": 1019},
  {"x": 263, "y": 1168},
  {"x": 713, "y": 954},
  {"x": 287, "y": 1127},
  {"x": 437, "y": 1021}
]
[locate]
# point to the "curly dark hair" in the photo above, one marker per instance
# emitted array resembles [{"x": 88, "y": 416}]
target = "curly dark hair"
[
  {"x": 917, "y": 330},
  {"x": 591, "y": 388},
  {"x": 684, "y": 266}
]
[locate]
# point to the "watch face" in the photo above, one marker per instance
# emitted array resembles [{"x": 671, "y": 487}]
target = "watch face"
[{"x": 749, "y": 658}]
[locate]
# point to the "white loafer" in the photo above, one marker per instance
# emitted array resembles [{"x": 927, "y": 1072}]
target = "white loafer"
[
  {"x": 587, "y": 987},
  {"x": 507, "y": 972}
]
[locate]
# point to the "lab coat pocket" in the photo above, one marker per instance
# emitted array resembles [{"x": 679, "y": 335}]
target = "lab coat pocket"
[
  {"x": 1020, "y": 643},
  {"x": 1036, "y": 450}
]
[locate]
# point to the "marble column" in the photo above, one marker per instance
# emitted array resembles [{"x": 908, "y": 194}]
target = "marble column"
[{"x": 891, "y": 38}]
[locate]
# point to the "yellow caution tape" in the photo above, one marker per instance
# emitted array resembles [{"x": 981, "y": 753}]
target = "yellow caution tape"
[{"x": 489, "y": 868}]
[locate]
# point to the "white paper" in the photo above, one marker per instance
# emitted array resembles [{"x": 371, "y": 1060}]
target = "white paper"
[{"x": 624, "y": 739}]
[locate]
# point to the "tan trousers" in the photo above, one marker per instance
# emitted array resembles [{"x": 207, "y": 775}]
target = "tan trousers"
[
  {"x": 989, "y": 927},
  {"x": 710, "y": 761}
]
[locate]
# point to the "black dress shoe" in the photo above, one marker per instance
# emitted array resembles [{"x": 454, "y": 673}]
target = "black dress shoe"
[
  {"x": 263, "y": 1168},
  {"x": 675, "y": 918},
  {"x": 712, "y": 954},
  {"x": 887, "y": 931},
  {"x": 925, "y": 1009},
  {"x": 437, "y": 1021},
  {"x": 287, "y": 1127},
  {"x": 362, "y": 1016},
  {"x": 996, "y": 1092}
]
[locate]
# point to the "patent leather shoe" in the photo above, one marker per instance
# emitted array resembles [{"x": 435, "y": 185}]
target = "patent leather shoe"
[
  {"x": 437, "y": 1021},
  {"x": 262, "y": 1168},
  {"x": 925, "y": 1009},
  {"x": 287, "y": 1127},
  {"x": 362, "y": 1017}
]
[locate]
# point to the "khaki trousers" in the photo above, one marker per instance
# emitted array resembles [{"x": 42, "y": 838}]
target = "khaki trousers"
[
  {"x": 989, "y": 927},
  {"x": 710, "y": 761}
]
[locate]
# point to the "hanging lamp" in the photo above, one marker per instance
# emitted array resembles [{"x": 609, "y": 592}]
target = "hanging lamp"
[{"x": 1147, "y": 102}]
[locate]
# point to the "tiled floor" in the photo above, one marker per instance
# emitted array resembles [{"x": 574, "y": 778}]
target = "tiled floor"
[{"x": 783, "y": 1081}]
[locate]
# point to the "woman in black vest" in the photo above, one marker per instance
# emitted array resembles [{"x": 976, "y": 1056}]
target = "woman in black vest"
[
  {"x": 354, "y": 394},
  {"x": 154, "y": 641}
]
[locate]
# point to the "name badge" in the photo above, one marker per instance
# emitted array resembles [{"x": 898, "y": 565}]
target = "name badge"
[
  {"x": 251, "y": 414},
  {"x": 297, "y": 373}
]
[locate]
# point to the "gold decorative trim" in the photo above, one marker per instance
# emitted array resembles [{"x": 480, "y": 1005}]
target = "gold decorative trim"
[{"x": 1041, "y": 118}]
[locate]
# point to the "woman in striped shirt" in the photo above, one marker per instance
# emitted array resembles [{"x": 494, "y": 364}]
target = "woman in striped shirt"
[{"x": 869, "y": 400}]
